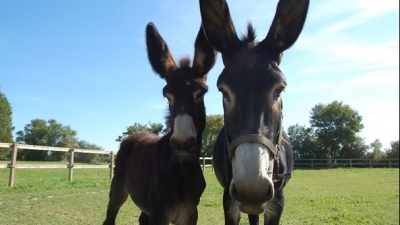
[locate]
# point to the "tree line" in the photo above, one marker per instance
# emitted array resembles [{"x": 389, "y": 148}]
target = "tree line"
[
  {"x": 214, "y": 123},
  {"x": 332, "y": 134}
]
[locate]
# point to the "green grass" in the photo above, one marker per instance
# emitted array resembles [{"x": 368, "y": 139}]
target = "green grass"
[
  {"x": 343, "y": 196},
  {"x": 327, "y": 196}
]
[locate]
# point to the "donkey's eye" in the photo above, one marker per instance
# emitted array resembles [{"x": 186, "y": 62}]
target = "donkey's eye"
[
  {"x": 200, "y": 96},
  {"x": 225, "y": 95},
  {"x": 169, "y": 98},
  {"x": 279, "y": 92}
]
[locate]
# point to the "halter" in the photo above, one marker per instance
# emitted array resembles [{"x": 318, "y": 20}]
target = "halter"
[{"x": 274, "y": 149}]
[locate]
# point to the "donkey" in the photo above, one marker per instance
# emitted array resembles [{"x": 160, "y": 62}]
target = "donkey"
[
  {"x": 162, "y": 174},
  {"x": 252, "y": 156}
]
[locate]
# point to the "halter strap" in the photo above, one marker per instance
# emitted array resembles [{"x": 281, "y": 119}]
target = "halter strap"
[
  {"x": 274, "y": 149},
  {"x": 254, "y": 138}
]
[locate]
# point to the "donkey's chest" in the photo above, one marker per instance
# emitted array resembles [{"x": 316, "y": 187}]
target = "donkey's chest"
[{"x": 180, "y": 187}]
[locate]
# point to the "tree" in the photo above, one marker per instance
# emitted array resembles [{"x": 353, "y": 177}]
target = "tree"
[
  {"x": 394, "y": 151},
  {"x": 376, "y": 152},
  {"x": 87, "y": 157},
  {"x": 354, "y": 150},
  {"x": 47, "y": 133},
  {"x": 214, "y": 124},
  {"x": 304, "y": 143},
  {"x": 6, "y": 127},
  {"x": 336, "y": 126},
  {"x": 155, "y": 128}
]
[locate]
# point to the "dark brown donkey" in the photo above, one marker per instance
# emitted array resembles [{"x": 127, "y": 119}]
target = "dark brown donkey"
[
  {"x": 252, "y": 157},
  {"x": 162, "y": 174}
]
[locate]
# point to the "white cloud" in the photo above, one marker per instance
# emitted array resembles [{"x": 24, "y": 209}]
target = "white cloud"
[
  {"x": 157, "y": 105},
  {"x": 349, "y": 53},
  {"x": 375, "y": 79},
  {"x": 361, "y": 11},
  {"x": 335, "y": 43},
  {"x": 30, "y": 98}
]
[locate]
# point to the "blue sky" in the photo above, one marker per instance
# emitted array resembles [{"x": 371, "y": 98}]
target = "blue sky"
[{"x": 84, "y": 63}]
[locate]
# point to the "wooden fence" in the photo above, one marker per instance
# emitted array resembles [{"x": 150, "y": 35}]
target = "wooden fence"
[
  {"x": 204, "y": 164},
  {"x": 15, "y": 147},
  {"x": 328, "y": 163},
  {"x": 298, "y": 163}
]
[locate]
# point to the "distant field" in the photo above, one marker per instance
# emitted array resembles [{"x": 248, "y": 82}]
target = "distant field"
[{"x": 328, "y": 196}]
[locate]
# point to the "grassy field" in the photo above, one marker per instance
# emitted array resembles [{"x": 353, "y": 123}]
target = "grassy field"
[{"x": 328, "y": 196}]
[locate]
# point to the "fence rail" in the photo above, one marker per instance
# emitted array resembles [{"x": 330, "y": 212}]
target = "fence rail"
[
  {"x": 298, "y": 163},
  {"x": 203, "y": 160},
  {"x": 70, "y": 166},
  {"x": 328, "y": 163}
]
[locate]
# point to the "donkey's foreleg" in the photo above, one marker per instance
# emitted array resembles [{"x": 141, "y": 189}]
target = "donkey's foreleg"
[
  {"x": 273, "y": 209},
  {"x": 158, "y": 215},
  {"x": 231, "y": 209},
  {"x": 144, "y": 219},
  {"x": 118, "y": 195},
  {"x": 253, "y": 219},
  {"x": 188, "y": 216}
]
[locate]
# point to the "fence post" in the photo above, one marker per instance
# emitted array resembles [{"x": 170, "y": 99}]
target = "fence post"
[
  {"x": 312, "y": 163},
  {"x": 204, "y": 163},
  {"x": 390, "y": 164},
  {"x": 351, "y": 166},
  {"x": 12, "y": 166},
  {"x": 112, "y": 164},
  {"x": 370, "y": 163},
  {"x": 71, "y": 164}
]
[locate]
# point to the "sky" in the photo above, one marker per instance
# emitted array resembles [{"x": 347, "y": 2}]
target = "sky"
[{"x": 84, "y": 63}]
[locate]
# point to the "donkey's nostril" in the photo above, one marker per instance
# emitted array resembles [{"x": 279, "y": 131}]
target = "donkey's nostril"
[
  {"x": 185, "y": 145},
  {"x": 270, "y": 193},
  {"x": 191, "y": 142},
  {"x": 174, "y": 143}
]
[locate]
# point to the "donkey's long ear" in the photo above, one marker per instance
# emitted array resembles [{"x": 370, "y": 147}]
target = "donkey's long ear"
[
  {"x": 287, "y": 25},
  {"x": 218, "y": 25},
  {"x": 157, "y": 50},
  {"x": 204, "y": 54}
]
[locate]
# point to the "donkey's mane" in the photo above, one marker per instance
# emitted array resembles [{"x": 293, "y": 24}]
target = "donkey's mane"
[
  {"x": 184, "y": 62},
  {"x": 251, "y": 34}
]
